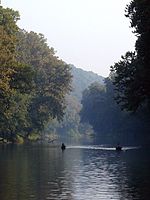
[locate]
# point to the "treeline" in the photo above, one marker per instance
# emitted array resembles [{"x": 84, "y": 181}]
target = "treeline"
[
  {"x": 111, "y": 124},
  {"x": 132, "y": 73},
  {"x": 34, "y": 84},
  {"x": 128, "y": 86},
  {"x": 70, "y": 129},
  {"x": 33, "y": 81}
]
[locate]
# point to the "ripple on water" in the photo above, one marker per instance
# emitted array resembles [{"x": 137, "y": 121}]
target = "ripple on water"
[{"x": 79, "y": 173}]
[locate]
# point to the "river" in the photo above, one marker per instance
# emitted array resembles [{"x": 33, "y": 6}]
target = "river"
[{"x": 79, "y": 173}]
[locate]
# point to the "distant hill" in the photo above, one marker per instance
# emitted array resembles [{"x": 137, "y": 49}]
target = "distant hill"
[{"x": 82, "y": 79}]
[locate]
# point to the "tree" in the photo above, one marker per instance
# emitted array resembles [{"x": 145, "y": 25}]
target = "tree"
[
  {"x": 93, "y": 108},
  {"x": 133, "y": 71},
  {"x": 127, "y": 83},
  {"x": 14, "y": 86},
  {"x": 8, "y": 29},
  {"x": 52, "y": 79},
  {"x": 111, "y": 124}
]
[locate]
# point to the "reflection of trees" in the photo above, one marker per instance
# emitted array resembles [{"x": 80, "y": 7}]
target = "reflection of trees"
[
  {"x": 32, "y": 172},
  {"x": 47, "y": 173},
  {"x": 137, "y": 172},
  {"x": 13, "y": 173}
]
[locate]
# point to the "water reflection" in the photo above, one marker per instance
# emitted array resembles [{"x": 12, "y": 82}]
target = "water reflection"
[{"x": 37, "y": 172}]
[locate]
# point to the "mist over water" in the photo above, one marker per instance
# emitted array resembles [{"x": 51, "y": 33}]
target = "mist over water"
[{"x": 78, "y": 173}]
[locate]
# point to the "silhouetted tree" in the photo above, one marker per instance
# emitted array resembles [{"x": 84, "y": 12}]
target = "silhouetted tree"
[{"x": 133, "y": 71}]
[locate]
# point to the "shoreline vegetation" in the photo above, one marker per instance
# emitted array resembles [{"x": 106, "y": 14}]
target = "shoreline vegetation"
[
  {"x": 33, "y": 82},
  {"x": 40, "y": 95},
  {"x": 35, "y": 87}
]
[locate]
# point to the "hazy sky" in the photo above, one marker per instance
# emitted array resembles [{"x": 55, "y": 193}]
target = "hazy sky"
[{"x": 91, "y": 34}]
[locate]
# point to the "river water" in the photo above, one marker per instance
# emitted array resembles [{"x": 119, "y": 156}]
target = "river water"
[{"x": 79, "y": 173}]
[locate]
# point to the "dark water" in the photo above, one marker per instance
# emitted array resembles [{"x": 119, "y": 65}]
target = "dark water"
[{"x": 78, "y": 173}]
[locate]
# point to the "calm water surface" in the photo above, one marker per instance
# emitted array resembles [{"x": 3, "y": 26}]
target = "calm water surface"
[{"x": 78, "y": 173}]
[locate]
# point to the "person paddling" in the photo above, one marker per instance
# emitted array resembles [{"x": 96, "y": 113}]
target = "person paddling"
[
  {"x": 63, "y": 147},
  {"x": 118, "y": 147}
]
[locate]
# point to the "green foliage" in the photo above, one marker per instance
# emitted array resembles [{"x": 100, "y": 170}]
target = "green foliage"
[
  {"x": 128, "y": 86},
  {"x": 93, "y": 96},
  {"x": 52, "y": 79},
  {"x": 131, "y": 87},
  {"x": 19, "y": 139},
  {"x": 14, "y": 98},
  {"x": 8, "y": 29},
  {"x": 33, "y": 137},
  {"x": 33, "y": 81},
  {"x": 111, "y": 124},
  {"x": 71, "y": 119},
  {"x": 133, "y": 71},
  {"x": 71, "y": 126}
]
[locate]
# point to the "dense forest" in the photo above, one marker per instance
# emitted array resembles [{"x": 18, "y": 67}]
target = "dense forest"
[
  {"x": 111, "y": 124},
  {"x": 71, "y": 129},
  {"x": 128, "y": 85},
  {"x": 33, "y": 81},
  {"x": 40, "y": 94},
  {"x": 43, "y": 98}
]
